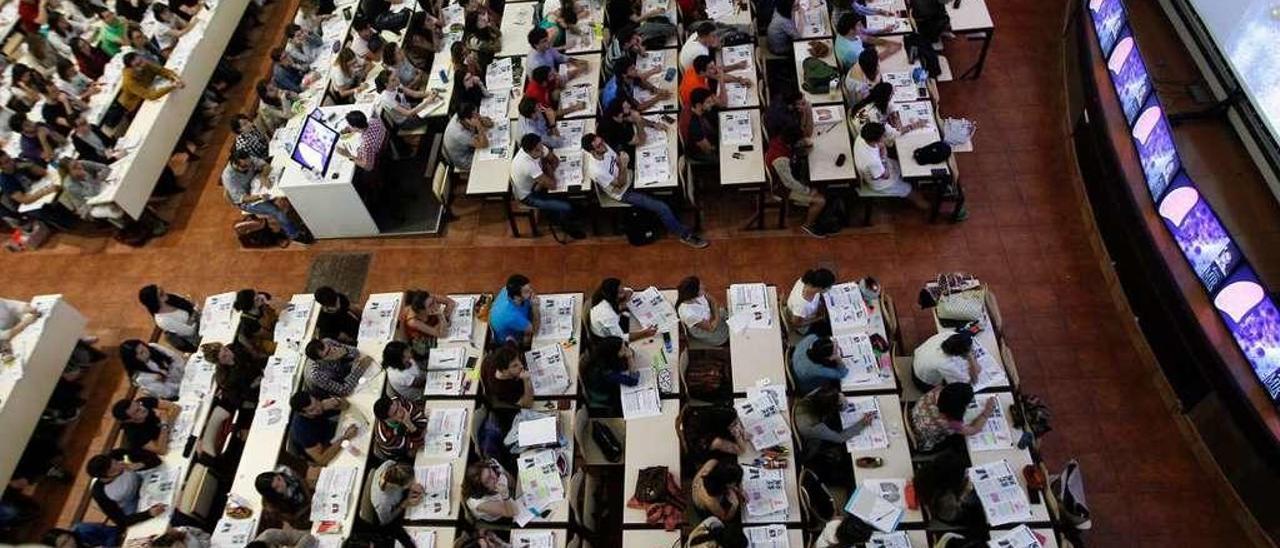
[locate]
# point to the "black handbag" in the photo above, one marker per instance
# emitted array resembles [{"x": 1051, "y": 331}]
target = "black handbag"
[{"x": 607, "y": 441}]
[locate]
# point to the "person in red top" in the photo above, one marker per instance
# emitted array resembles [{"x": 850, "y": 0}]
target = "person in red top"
[
  {"x": 544, "y": 88},
  {"x": 30, "y": 13},
  {"x": 777, "y": 159}
]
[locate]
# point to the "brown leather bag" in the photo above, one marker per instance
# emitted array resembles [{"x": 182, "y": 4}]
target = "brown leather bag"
[{"x": 651, "y": 485}]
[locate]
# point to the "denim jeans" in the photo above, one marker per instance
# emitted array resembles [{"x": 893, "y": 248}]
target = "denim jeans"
[
  {"x": 659, "y": 208},
  {"x": 266, "y": 207},
  {"x": 559, "y": 209}
]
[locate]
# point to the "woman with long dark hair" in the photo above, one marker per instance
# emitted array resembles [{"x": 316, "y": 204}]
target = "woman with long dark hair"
[
  {"x": 154, "y": 368},
  {"x": 487, "y": 491},
  {"x": 606, "y": 369},
  {"x": 174, "y": 315},
  {"x": 702, "y": 316},
  {"x": 609, "y": 315},
  {"x": 285, "y": 495},
  {"x": 425, "y": 319}
]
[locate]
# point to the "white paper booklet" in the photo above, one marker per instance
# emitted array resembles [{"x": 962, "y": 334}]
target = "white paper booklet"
[
  {"x": 990, "y": 372},
  {"x": 653, "y": 165},
  {"x": 446, "y": 432},
  {"x": 333, "y": 493},
  {"x": 872, "y": 436},
  {"x": 996, "y": 433},
  {"x": 763, "y": 419},
  {"x": 233, "y": 533},
  {"x": 499, "y": 76},
  {"x": 435, "y": 480},
  {"x": 652, "y": 309},
  {"x": 445, "y": 382},
  {"x": 454, "y": 357},
  {"x": 528, "y": 538},
  {"x": 569, "y": 171},
  {"x": 896, "y": 539},
  {"x": 540, "y": 483},
  {"x": 643, "y": 399},
  {"x": 847, "y": 309},
  {"x": 422, "y": 538},
  {"x": 904, "y": 86},
  {"x": 765, "y": 490},
  {"x": 1020, "y": 537},
  {"x": 215, "y": 319},
  {"x": 735, "y": 128},
  {"x": 750, "y": 303},
  {"x": 160, "y": 486},
  {"x": 859, "y": 357},
  {"x": 767, "y": 536},
  {"x": 1003, "y": 498},
  {"x": 556, "y": 317},
  {"x": 291, "y": 328},
  {"x": 547, "y": 370},
  {"x": 462, "y": 320},
  {"x": 378, "y": 321},
  {"x": 870, "y": 507},
  {"x": 278, "y": 379}
]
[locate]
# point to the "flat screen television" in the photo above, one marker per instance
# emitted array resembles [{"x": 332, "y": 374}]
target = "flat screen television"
[
  {"x": 1254, "y": 321},
  {"x": 1154, "y": 141},
  {"x": 1108, "y": 19},
  {"x": 1199, "y": 233},
  {"x": 315, "y": 145},
  {"x": 1129, "y": 75}
]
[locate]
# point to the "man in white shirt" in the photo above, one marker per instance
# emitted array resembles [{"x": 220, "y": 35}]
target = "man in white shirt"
[
  {"x": 881, "y": 175},
  {"x": 610, "y": 172},
  {"x": 804, "y": 304},
  {"x": 394, "y": 98},
  {"x": 942, "y": 359},
  {"x": 360, "y": 40},
  {"x": 531, "y": 183},
  {"x": 704, "y": 41}
]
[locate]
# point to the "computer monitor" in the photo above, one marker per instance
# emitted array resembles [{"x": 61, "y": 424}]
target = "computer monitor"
[
  {"x": 1203, "y": 240},
  {"x": 1108, "y": 18},
  {"x": 315, "y": 145},
  {"x": 1254, "y": 321},
  {"x": 1154, "y": 141},
  {"x": 1129, "y": 75}
]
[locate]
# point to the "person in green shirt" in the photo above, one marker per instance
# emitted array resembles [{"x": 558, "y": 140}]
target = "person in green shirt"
[{"x": 112, "y": 33}]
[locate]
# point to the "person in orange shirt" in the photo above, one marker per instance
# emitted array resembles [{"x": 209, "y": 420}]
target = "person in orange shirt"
[{"x": 705, "y": 73}]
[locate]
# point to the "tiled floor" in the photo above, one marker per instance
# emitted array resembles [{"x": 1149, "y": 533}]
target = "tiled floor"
[{"x": 1026, "y": 236}]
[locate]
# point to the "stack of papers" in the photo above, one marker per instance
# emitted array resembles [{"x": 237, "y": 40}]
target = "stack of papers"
[
  {"x": 556, "y": 317},
  {"x": 278, "y": 379},
  {"x": 766, "y": 536},
  {"x": 872, "y": 436},
  {"x": 444, "y": 382},
  {"x": 990, "y": 372},
  {"x": 870, "y": 507},
  {"x": 495, "y": 106},
  {"x": 996, "y": 433},
  {"x": 904, "y": 87},
  {"x": 462, "y": 320},
  {"x": 535, "y": 432},
  {"x": 859, "y": 358},
  {"x": 197, "y": 378},
  {"x": 185, "y": 422},
  {"x": 1020, "y": 537},
  {"x": 749, "y": 306},
  {"x": 762, "y": 419},
  {"x": 333, "y": 493},
  {"x": 643, "y": 399},
  {"x": 233, "y": 533},
  {"x": 765, "y": 491},
  {"x": 525, "y": 538},
  {"x": 291, "y": 328},
  {"x": 653, "y": 164},
  {"x": 446, "y": 433},
  {"x": 735, "y": 128},
  {"x": 910, "y": 113},
  {"x": 160, "y": 486},
  {"x": 540, "y": 483},
  {"x": 215, "y": 319},
  {"x": 569, "y": 171},
  {"x": 499, "y": 141},
  {"x": 378, "y": 321},
  {"x": 435, "y": 480},
  {"x": 813, "y": 22},
  {"x": 1003, "y": 498},
  {"x": 571, "y": 132},
  {"x": 737, "y": 95},
  {"x": 547, "y": 370},
  {"x": 718, "y": 10},
  {"x": 500, "y": 76},
  {"x": 576, "y": 94},
  {"x": 651, "y": 309},
  {"x": 880, "y": 24},
  {"x": 896, "y": 539},
  {"x": 453, "y": 357},
  {"x": 846, "y": 308}
]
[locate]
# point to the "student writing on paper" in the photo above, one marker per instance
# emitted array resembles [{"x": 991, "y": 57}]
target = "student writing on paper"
[
  {"x": 333, "y": 368},
  {"x": 782, "y": 29},
  {"x": 878, "y": 108},
  {"x": 543, "y": 54},
  {"x": 145, "y": 423},
  {"x": 607, "y": 366},
  {"x": 397, "y": 101},
  {"x": 626, "y": 44},
  {"x": 609, "y": 315},
  {"x": 623, "y": 128},
  {"x": 545, "y": 86},
  {"x": 939, "y": 416},
  {"x": 487, "y": 490},
  {"x": 425, "y": 318},
  {"x": 285, "y": 496},
  {"x": 861, "y": 76},
  {"x": 844, "y": 530},
  {"x": 717, "y": 489},
  {"x": 348, "y": 76},
  {"x": 817, "y": 420},
  {"x": 393, "y": 491},
  {"x": 256, "y": 308},
  {"x": 174, "y": 315},
  {"x": 400, "y": 430},
  {"x": 506, "y": 380},
  {"x": 154, "y": 368},
  {"x": 790, "y": 111},
  {"x": 237, "y": 373},
  {"x": 946, "y": 357},
  {"x": 238, "y": 179},
  {"x": 625, "y": 80},
  {"x": 117, "y": 484},
  {"x": 533, "y": 177},
  {"x": 337, "y": 319},
  {"x": 702, "y": 316},
  {"x": 482, "y": 33},
  {"x": 806, "y": 312},
  {"x": 706, "y": 73},
  {"x": 406, "y": 376},
  {"x": 815, "y": 363},
  {"x": 944, "y": 488},
  {"x": 712, "y": 430},
  {"x": 539, "y": 120},
  {"x": 513, "y": 316},
  {"x": 314, "y": 427}
]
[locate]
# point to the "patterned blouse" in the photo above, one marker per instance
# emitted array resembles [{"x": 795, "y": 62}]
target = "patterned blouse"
[{"x": 928, "y": 423}]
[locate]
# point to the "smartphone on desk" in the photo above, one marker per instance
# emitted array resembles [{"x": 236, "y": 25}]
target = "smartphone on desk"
[{"x": 746, "y": 148}]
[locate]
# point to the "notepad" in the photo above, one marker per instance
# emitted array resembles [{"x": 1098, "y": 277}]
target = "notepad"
[{"x": 537, "y": 432}]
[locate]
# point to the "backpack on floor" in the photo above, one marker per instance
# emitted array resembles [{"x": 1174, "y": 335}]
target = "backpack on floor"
[{"x": 641, "y": 227}]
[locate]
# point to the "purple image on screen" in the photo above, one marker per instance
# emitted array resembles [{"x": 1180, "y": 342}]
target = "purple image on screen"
[
  {"x": 1129, "y": 76},
  {"x": 1199, "y": 233},
  {"x": 1254, "y": 321},
  {"x": 315, "y": 142},
  {"x": 1108, "y": 18},
  {"x": 1154, "y": 142}
]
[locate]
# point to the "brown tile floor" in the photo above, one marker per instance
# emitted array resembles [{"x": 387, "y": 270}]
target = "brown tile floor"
[{"x": 1026, "y": 236}]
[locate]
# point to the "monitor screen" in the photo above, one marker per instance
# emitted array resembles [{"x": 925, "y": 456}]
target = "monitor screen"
[
  {"x": 1108, "y": 19},
  {"x": 1204, "y": 241},
  {"x": 315, "y": 145},
  {"x": 1254, "y": 321},
  {"x": 1154, "y": 141},
  {"x": 1129, "y": 75}
]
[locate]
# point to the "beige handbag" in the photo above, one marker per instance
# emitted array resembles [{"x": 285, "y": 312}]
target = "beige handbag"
[{"x": 967, "y": 306}]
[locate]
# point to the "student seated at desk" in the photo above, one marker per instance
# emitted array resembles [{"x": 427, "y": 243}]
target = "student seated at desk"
[
  {"x": 183, "y": 536},
  {"x": 393, "y": 491},
  {"x": 145, "y": 423},
  {"x": 606, "y": 368},
  {"x": 844, "y": 530},
  {"x": 482, "y": 33},
  {"x": 401, "y": 427},
  {"x": 174, "y": 315},
  {"x": 285, "y": 496},
  {"x": 712, "y": 430},
  {"x": 705, "y": 72},
  {"x": 939, "y": 415},
  {"x": 717, "y": 489},
  {"x": 544, "y": 87},
  {"x": 285, "y": 74},
  {"x": 544, "y": 54},
  {"x": 789, "y": 111},
  {"x": 852, "y": 37},
  {"x": 805, "y": 307},
  {"x": 943, "y": 487},
  {"x": 365, "y": 42},
  {"x": 468, "y": 71},
  {"x": 303, "y": 46},
  {"x": 702, "y": 41},
  {"x": 249, "y": 138},
  {"x": 237, "y": 181},
  {"x": 117, "y": 484},
  {"x": 334, "y": 368},
  {"x": 405, "y": 375},
  {"x": 944, "y": 358},
  {"x": 561, "y": 21},
  {"x": 514, "y": 316},
  {"x": 817, "y": 420},
  {"x": 609, "y": 316},
  {"x": 703, "y": 317},
  {"x": 782, "y": 29},
  {"x": 237, "y": 373},
  {"x": 394, "y": 59},
  {"x": 861, "y": 76},
  {"x": 714, "y": 533},
  {"x": 348, "y": 76},
  {"x": 625, "y": 44},
  {"x": 879, "y": 173},
  {"x": 256, "y": 306},
  {"x": 487, "y": 488},
  {"x": 878, "y": 108},
  {"x": 655, "y": 25},
  {"x": 425, "y": 318},
  {"x": 286, "y": 537},
  {"x": 337, "y": 319},
  {"x": 395, "y": 100},
  {"x": 626, "y": 79},
  {"x": 467, "y": 132},
  {"x": 611, "y": 173},
  {"x": 533, "y": 178},
  {"x": 137, "y": 82},
  {"x": 699, "y": 127},
  {"x": 153, "y": 368},
  {"x": 778, "y": 156},
  {"x": 37, "y": 142},
  {"x": 505, "y": 378},
  {"x": 314, "y": 425},
  {"x": 82, "y": 180},
  {"x": 815, "y": 363},
  {"x": 539, "y": 120},
  {"x": 60, "y": 110}
]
